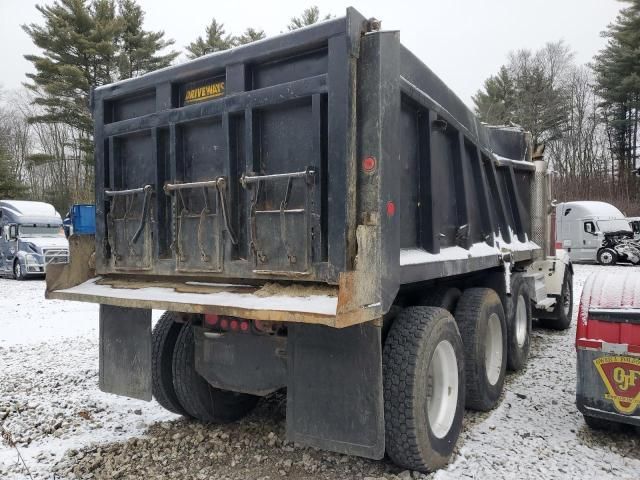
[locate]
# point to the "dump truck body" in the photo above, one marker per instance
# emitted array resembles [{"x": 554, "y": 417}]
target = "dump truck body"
[{"x": 303, "y": 188}]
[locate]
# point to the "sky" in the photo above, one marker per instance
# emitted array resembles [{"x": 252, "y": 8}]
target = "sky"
[{"x": 462, "y": 41}]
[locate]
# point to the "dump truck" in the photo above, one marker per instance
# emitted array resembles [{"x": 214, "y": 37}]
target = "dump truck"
[{"x": 316, "y": 212}]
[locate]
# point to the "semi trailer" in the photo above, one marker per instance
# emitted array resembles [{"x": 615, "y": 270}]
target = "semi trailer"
[{"x": 316, "y": 212}]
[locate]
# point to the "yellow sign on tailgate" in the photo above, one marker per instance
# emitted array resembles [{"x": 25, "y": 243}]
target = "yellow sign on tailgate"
[{"x": 204, "y": 92}]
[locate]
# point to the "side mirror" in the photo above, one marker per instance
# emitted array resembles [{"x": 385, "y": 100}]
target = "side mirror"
[{"x": 13, "y": 232}]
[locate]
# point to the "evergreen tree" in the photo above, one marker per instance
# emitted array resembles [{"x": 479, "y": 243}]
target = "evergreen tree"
[
  {"x": 309, "y": 16},
  {"x": 86, "y": 44},
  {"x": 617, "y": 71},
  {"x": 139, "y": 49},
  {"x": 10, "y": 187},
  {"x": 495, "y": 104},
  {"x": 79, "y": 45},
  {"x": 216, "y": 39},
  {"x": 528, "y": 92},
  {"x": 249, "y": 35}
]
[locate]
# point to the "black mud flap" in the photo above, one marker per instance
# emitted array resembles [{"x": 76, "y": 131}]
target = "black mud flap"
[
  {"x": 334, "y": 395},
  {"x": 125, "y": 351}
]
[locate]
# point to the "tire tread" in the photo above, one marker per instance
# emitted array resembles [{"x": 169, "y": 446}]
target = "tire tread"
[
  {"x": 469, "y": 309},
  {"x": 401, "y": 350},
  {"x": 164, "y": 336}
]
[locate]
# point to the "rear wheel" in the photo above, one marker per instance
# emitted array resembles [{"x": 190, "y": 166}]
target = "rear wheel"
[
  {"x": 480, "y": 317},
  {"x": 18, "y": 271},
  {"x": 163, "y": 342},
  {"x": 560, "y": 318},
  {"x": 518, "y": 313},
  {"x": 607, "y": 256},
  {"x": 199, "y": 399},
  {"x": 423, "y": 372}
]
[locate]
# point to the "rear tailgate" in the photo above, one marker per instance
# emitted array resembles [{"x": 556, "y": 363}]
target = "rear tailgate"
[{"x": 231, "y": 165}]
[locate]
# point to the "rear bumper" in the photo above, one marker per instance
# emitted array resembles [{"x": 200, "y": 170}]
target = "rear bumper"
[
  {"x": 295, "y": 303},
  {"x": 597, "y": 394}
]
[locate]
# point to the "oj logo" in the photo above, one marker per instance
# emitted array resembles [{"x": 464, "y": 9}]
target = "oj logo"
[
  {"x": 621, "y": 376},
  {"x": 623, "y": 379}
]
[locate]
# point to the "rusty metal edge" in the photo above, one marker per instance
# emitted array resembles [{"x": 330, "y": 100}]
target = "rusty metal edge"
[{"x": 341, "y": 320}]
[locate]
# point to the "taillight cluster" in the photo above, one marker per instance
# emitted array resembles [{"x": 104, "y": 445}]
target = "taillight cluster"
[
  {"x": 242, "y": 325},
  {"x": 227, "y": 324}
]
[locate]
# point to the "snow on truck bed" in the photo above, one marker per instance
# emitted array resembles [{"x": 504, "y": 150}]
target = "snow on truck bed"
[{"x": 50, "y": 402}]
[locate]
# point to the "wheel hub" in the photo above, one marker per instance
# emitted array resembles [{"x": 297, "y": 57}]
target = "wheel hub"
[
  {"x": 493, "y": 349},
  {"x": 521, "y": 321},
  {"x": 442, "y": 389}
]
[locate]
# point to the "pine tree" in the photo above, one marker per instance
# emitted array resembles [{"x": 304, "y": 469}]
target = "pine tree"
[
  {"x": 309, "y": 16},
  {"x": 86, "y": 44},
  {"x": 495, "y": 104},
  {"x": 617, "y": 70},
  {"x": 527, "y": 92},
  {"x": 10, "y": 187},
  {"x": 215, "y": 41},
  {"x": 249, "y": 35},
  {"x": 139, "y": 48},
  {"x": 79, "y": 44}
]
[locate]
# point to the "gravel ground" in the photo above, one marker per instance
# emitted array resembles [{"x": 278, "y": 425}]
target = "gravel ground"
[{"x": 65, "y": 428}]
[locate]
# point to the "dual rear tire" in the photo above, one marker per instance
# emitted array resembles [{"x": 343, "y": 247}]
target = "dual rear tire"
[
  {"x": 179, "y": 388},
  {"x": 434, "y": 366},
  {"x": 483, "y": 328}
]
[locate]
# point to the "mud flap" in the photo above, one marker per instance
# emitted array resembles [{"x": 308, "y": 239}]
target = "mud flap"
[
  {"x": 334, "y": 395},
  {"x": 125, "y": 351}
]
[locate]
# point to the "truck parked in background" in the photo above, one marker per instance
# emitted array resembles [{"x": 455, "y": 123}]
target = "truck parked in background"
[
  {"x": 318, "y": 212},
  {"x": 608, "y": 350},
  {"x": 581, "y": 227},
  {"x": 31, "y": 238}
]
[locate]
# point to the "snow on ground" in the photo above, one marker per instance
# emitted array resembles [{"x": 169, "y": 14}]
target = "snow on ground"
[
  {"x": 537, "y": 431},
  {"x": 49, "y": 396},
  {"x": 50, "y": 402}
]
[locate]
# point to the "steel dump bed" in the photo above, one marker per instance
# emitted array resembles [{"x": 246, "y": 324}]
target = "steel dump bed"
[{"x": 329, "y": 156}]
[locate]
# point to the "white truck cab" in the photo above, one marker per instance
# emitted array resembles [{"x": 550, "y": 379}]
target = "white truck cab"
[
  {"x": 580, "y": 227},
  {"x": 31, "y": 237}
]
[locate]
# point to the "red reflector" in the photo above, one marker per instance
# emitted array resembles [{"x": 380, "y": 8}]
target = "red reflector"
[
  {"x": 244, "y": 326},
  {"x": 224, "y": 323},
  {"x": 211, "y": 319},
  {"x": 559, "y": 245},
  {"x": 586, "y": 343},
  {"x": 234, "y": 325},
  {"x": 368, "y": 164},
  {"x": 391, "y": 208}
]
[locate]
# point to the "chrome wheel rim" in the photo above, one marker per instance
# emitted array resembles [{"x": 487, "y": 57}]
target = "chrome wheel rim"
[
  {"x": 442, "y": 389},
  {"x": 521, "y": 321},
  {"x": 493, "y": 349},
  {"x": 606, "y": 258},
  {"x": 18, "y": 270}
]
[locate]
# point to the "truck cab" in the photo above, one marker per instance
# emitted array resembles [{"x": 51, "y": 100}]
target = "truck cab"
[
  {"x": 31, "y": 238},
  {"x": 580, "y": 227}
]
